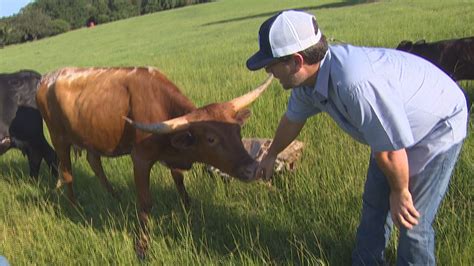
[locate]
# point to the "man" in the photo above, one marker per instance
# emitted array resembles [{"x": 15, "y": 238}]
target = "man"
[{"x": 411, "y": 114}]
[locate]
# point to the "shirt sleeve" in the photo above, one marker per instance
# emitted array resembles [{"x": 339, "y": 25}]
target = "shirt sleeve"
[
  {"x": 377, "y": 111},
  {"x": 300, "y": 105}
]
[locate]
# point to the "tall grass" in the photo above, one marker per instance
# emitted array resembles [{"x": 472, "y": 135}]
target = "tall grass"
[{"x": 307, "y": 217}]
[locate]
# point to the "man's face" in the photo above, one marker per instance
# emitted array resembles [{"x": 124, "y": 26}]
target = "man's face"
[{"x": 284, "y": 70}]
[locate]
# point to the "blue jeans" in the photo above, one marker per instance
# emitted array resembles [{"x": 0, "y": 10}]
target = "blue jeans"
[{"x": 416, "y": 246}]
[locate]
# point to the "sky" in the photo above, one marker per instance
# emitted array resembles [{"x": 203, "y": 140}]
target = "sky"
[{"x": 10, "y": 7}]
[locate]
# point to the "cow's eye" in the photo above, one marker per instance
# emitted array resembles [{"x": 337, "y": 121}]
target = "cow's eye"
[
  {"x": 211, "y": 139},
  {"x": 14, "y": 83}
]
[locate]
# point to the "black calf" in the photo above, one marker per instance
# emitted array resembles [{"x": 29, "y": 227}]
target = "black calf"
[{"x": 21, "y": 124}]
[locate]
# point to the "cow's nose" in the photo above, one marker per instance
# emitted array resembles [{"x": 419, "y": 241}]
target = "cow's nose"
[
  {"x": 5, "y": 144},
  {"x": 247, "y": 173}
]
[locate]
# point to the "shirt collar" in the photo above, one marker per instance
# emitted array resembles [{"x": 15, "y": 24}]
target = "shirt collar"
[{"x": 322, "y": 81}]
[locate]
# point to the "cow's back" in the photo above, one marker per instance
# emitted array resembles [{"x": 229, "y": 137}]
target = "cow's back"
[
  {"x": 85, "y": 106},
  {"x": 455, "y": 56}
]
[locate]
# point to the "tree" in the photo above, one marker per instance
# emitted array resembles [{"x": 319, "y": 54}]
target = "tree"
[
  {"x": 150, "y": 6},
  {"x": 59, "y": 26},
  {"x": 43, "y": 18},
  {"x": 75, "y": 12},
  {"x": 32, "y": 23},
  {"x": 5, "y": 31},
  {"x": 121, "y": 9},
  {"x": 99, "y": 10}
]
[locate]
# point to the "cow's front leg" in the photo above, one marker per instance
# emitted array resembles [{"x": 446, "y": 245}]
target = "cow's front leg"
[
  {"x": 49, "y": 155},
  {"x": 141, "y": 169},
  {"x": 178, "y": 178},
  {"x": 34, "y": 161}
]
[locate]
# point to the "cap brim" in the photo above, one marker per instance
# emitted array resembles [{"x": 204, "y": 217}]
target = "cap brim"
[{"x": 258, "y": 61}]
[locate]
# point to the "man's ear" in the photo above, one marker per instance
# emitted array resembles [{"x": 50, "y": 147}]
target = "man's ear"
[
  {"x": 183, "y": 140},
  {"x": 298, "y": 61},
  {"x": 242, "y": 115}
]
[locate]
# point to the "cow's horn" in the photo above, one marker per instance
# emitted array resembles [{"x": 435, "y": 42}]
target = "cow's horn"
[
  {"x": 246, "y": 99},
  {"x": 167, "y": 126}
]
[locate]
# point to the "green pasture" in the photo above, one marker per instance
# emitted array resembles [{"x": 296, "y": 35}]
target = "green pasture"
[{"x": 308, "y": 217}]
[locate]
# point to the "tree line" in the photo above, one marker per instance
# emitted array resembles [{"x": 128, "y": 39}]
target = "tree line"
[{"x": 43, "y": 18}]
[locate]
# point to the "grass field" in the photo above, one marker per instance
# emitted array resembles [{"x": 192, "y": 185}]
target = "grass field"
[{"x": 308, "y": 217}]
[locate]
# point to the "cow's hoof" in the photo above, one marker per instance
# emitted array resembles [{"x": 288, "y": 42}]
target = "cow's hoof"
[
  {"x": 114, "y": 193},
  {"x": 141, "y": 246}
]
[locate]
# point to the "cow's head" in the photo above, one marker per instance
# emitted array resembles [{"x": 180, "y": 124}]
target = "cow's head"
[
  {"x": 405, "y": 46},
  {"x": 16, "y": 89},
  {"x": 409, "y": 46},
  {"x": 211, "y": 134}
]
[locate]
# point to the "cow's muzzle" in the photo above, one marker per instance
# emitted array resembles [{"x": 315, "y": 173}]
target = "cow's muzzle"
[
  {"x": 5, "y": 144},
  {"x": 247, "y": 173}
]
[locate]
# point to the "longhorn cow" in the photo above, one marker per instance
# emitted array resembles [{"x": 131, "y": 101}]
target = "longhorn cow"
[{"x": 86, "y": 107}]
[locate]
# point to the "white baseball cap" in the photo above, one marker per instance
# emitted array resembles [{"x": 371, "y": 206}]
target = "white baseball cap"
[{"x": 285, "y": 33}]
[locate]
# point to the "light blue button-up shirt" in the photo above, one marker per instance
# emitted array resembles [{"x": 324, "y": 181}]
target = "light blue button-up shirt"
[{"x": 386, "y": 99}]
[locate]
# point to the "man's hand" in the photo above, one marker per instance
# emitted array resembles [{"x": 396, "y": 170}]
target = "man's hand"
[
  {"x": 402, "y": 209},
  {"x": 265, "y": 168},
  {"x": 394, "y": 164},
  {"x": 285, "y": 134}
]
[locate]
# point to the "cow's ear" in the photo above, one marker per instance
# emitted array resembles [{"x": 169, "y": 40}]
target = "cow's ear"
[
  {"x": 182, "y": 140},
  {"x": 405, "y": 45},
  {"x": 420, "y": 42},
  {"x": 242, "y": 115}
]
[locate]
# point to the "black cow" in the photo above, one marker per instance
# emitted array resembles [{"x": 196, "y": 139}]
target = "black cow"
[
  {"x": 21, "y": 124},
  {"x": 455, "y": 57}
]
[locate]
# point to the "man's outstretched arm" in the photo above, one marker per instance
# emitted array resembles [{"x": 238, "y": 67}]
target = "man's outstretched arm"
[{"x": 286, "y": 132}]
